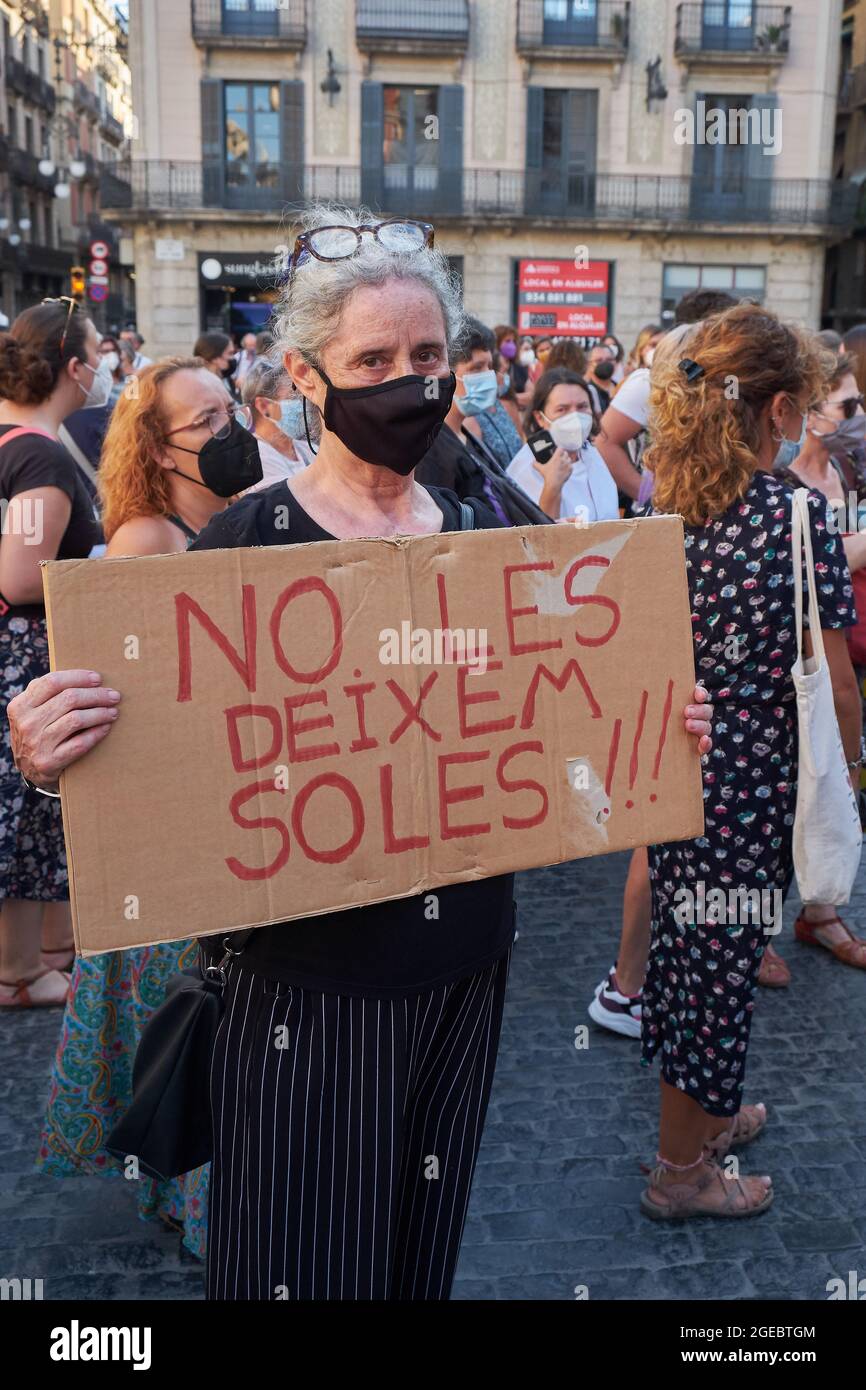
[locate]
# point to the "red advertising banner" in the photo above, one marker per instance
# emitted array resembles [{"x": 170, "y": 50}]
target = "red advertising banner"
[{"x": 560, "y": 298}]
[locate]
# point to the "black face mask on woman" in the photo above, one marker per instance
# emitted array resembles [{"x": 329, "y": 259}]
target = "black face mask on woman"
[
  {"x": 392, "y": 424},
  {"x": 227, "y": 465}
]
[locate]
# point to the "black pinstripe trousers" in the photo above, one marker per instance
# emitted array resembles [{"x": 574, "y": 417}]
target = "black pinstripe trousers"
[{"x": 345, "y": 1137}]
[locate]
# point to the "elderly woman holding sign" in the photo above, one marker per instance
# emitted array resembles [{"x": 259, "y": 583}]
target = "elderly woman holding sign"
[{"x": 320, "y": 1182}]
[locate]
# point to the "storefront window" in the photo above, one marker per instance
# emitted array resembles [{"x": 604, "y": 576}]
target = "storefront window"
[{"x": 741, "y": 281}]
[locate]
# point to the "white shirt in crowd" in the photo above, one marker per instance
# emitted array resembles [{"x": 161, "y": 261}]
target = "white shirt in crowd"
[
  {"x": 590, "y": 492},
  {"x": 632, "y": 398},
  {"x": 276, "y": 467}
]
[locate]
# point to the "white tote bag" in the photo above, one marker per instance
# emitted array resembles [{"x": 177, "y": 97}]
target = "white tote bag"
[{"x": 827, "y": 833}]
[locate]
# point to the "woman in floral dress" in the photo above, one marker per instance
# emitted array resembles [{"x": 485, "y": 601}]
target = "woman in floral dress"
[{"x": 719, "y": 420}]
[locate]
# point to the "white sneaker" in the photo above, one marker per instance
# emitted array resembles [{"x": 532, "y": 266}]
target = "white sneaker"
[{"x": 618, "y": 1012}]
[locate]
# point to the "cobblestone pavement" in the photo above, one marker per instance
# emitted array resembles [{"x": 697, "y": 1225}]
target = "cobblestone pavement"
[{"x": 554, "y": 1204}]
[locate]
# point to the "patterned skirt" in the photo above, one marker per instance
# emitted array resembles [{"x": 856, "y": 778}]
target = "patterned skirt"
[
  {"x": 111, "y": 999},
  {"x": 32, "y": 852}
]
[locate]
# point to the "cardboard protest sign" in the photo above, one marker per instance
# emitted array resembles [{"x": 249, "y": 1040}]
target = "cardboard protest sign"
[{"x": 313, "y": 727}]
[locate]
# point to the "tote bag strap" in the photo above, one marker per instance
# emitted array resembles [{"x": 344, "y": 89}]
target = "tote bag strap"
[{"x": 801, "y": 545}]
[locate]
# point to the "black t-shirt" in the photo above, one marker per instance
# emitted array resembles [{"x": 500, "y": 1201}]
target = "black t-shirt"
[
  {"x": 447, "y": 464},
  {"x": 33, "y": 461},
  {"x": 393, "y": 948}
]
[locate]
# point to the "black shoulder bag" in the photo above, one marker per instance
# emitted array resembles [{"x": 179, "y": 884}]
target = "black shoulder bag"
[{"x": 168, "y": 1127}]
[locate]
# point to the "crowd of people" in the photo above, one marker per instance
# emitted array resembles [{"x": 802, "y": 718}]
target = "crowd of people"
[{"x": 395, "y": 1027}]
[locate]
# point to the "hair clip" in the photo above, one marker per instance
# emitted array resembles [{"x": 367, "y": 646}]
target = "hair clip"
[{"x": 691, "y": 370}]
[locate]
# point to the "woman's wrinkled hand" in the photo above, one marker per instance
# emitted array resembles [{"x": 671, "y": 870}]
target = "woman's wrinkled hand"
[
  {"x": 699, "y": 719},
  {"x": 56, "y": 720}
]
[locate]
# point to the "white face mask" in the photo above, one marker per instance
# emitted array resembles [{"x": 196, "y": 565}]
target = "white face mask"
[
  {"x": 113, "y": 360},
  {"x": 648, "y": 357},
  {"x": 100, "y": 387},
  {"x": 571, "y": 431},
  {"x": 527, "y": 357}
]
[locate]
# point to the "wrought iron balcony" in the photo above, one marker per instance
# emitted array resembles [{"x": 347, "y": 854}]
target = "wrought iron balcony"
[
  {"x": 85, "y": 99},
  {"x": 29, "y": 84},
  {"x": 112, "y": 128},
  {"x": 565, "y": 29},
  {"x": 852, "y": 88},
  {"x": 24, "y": 169},
  {"x": 412, "y": 26},
  {"x": 640, "y": 200},
  {"x": 256, "y": 23},
  {"x": 711, "y": 28}
]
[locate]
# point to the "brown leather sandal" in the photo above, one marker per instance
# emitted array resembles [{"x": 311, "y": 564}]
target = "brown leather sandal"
[
  {"x": 21, "y": 998},
  {"x": 773, "y": 972},
  {"x": 746, "y": 1125},
  {"x": 677, "y": 1201},
  {"x": 62, "y": 960},
  {"x": 851, "y": 952}
]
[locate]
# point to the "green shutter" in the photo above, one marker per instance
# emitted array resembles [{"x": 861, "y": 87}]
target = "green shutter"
[
  {"x": 450, "y": 149},
  {"x": 759, "y": 166},
  {"x": 212, "y": 142},
  {"x": 534, "y": 146},
  {"x": 292, "y": 141},
  {"x": 372, "y": 138}
]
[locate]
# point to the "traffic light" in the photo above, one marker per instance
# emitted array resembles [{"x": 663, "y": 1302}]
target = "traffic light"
[{"x": 77, "y": 281}]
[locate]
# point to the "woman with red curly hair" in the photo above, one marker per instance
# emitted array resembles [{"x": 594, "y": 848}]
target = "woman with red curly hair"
[{"x": 721, "y": 417}]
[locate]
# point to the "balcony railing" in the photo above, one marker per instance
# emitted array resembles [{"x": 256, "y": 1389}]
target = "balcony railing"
[
  {"x": 29, "y": 84},
  {"x": 852, "y": 89},
  {"x": 112, "y": 128},
  {"x": 263, "y": 23},
  {"x": 24, "y": 168},
  {"x": 562, "y": 29},
  {"x": 85, "y": 98},
  {"x": 426, "y": 26},
  {"x": 711, "y": 27},
  {"x": 183, "y": 186}
]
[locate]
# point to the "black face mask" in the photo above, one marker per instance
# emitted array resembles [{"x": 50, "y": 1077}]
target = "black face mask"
[
  {"x": 227, "y": 465},
  {"x": 392, "y": 424},
  {"x": 604, "y": 371}
]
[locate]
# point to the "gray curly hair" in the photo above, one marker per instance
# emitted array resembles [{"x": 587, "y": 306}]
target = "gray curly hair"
[{"x": 313, "y": 299}]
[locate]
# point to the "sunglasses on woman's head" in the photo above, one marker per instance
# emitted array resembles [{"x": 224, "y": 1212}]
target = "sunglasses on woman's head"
[
  {"x": 73, "y": 304},
  {"x": 341, "y": 243},
  {"x": 849, "y": 407}
]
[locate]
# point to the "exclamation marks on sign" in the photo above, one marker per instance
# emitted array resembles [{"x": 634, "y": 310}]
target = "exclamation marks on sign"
[
  {"x": 634, "y": 760},
  {"x": 666, "y": 715},
  {"x": 612, "y": 756}
]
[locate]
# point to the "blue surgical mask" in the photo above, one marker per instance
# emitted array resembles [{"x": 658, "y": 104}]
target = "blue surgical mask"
[
  {"x": 291, "y": 420},
  {"x": 790, "y": 448},
  {"x": 482, "y": 390}
]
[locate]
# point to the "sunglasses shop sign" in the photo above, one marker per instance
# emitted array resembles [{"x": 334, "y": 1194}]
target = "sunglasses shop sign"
[{"x": 308, "y": 728}]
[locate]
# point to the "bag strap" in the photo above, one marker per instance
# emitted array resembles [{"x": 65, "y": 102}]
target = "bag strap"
[
  {"x": 801, "y": 545},
  {"x": 20, "y": 430},
  {"x": 77, "y": 453},
  {"x": 467, "y": 517}
]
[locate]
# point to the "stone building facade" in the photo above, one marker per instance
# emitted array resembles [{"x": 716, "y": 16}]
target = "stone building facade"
[{"x": 552, "y": 135}]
